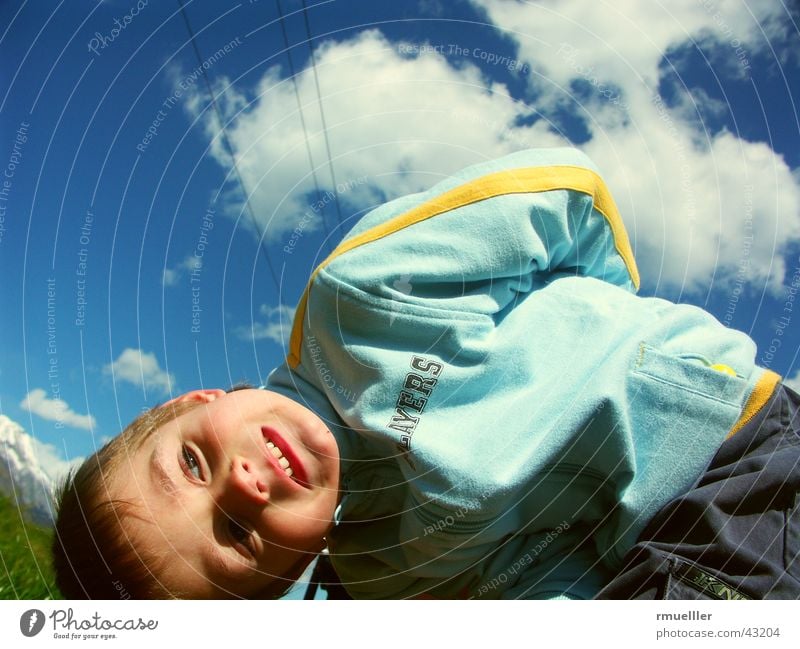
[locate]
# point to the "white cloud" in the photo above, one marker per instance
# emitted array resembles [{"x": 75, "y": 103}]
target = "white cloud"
[
  {"x": 171, "y": 276},
  {"x": 58, "y": 410},
  {"x": 141, "y": 369},
  {"x": 401, "y": 116},
  {"x": 626, "y": 40},
  {"x": 701, "y": 212},
  {"x": 398, "y": 120},
  {"x": 190, "y": 263},
  {"x": 690, "y": 198},
  {"x": 51, "y": 461},
  {"x": 277, "y": 327}
]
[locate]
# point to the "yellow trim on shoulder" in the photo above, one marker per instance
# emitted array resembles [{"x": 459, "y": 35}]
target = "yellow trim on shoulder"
[
  {"x": 758, "y": 398},
  {"x": 510, "y": 181}
]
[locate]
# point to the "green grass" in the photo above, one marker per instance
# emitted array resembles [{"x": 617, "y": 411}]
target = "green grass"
[{"x": 25, "y": 569}]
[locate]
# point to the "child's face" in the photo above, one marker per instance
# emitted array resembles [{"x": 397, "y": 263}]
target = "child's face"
[{"x": 225, "y": 513}]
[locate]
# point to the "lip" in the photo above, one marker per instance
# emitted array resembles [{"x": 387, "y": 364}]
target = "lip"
[{"x": 299, "y": 475}]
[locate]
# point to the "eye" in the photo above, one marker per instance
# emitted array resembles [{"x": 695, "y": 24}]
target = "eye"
[
  {"x": 190, "y": 464},
  {"x": 240, "y": 535}
]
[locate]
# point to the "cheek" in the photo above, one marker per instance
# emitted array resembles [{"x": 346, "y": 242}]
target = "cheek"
[{"x": 226, "y": 432}]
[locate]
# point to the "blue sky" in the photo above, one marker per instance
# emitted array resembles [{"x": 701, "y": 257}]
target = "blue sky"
[{"x": 132, "y": 268}]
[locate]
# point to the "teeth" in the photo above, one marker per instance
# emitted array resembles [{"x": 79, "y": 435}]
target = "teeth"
[
  {"x": 278, "y": 455},
  {"x": 276, "y": 452}
]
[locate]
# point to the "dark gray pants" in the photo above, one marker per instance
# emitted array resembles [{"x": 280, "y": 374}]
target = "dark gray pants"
[{"x": 736, "y": 533}]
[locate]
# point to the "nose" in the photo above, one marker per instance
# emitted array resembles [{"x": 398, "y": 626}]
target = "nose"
[{"x": 244, "y": 483}]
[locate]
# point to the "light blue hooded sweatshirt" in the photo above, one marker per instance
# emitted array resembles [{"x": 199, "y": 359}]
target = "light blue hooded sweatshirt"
[{"x": 510, "y": 414}]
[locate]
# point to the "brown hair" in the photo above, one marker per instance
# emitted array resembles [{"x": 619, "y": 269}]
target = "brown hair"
[{"x": 93, "y": 557}]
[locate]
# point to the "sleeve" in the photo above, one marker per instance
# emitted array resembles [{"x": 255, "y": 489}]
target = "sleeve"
[{"x": 482, "y": 237}]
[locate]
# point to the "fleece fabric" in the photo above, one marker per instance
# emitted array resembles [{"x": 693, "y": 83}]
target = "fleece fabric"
[{"x": 510, "y": 413}]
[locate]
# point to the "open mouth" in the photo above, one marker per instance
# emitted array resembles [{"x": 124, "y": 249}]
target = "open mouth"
[
  {"x": 282, "y": 461},
  {"x": 285, "y": 456}
]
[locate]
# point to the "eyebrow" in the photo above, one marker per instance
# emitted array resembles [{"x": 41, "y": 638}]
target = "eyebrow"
[{"x": 159, "y": 474}]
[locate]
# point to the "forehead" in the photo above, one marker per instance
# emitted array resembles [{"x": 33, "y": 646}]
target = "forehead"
[{"x": 220, "y": 413}]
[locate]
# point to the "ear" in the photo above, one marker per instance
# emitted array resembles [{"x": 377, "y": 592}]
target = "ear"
[{"x": 201, "y": 396}]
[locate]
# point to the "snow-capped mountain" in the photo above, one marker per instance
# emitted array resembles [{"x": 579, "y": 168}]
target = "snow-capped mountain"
[{"x": 22, "y": 477}]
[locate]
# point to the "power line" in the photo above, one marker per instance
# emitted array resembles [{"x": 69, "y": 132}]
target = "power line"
[
  {"x": 303, "y": 121},
  {"x": 228, "y": 146},
  {"x": 322, "y": 113}
]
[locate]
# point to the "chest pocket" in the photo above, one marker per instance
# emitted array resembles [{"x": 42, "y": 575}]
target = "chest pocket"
[
  {"x": 678, "y": 405},
  {"x": 692, "y": 373}
]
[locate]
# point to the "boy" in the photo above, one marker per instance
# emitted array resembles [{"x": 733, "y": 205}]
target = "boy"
[{"x": 506, "y": 415}]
